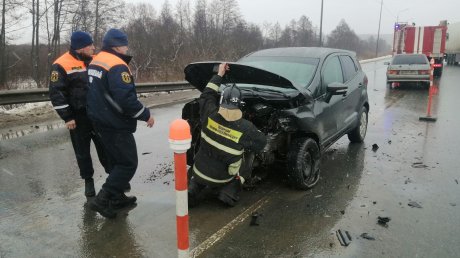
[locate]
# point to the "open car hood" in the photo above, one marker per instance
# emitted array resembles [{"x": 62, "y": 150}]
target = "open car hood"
[{"x": 199, "y": 74}]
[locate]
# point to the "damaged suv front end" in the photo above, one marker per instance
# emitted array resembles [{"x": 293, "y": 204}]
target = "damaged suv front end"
[{"x": 297, "y": 119}]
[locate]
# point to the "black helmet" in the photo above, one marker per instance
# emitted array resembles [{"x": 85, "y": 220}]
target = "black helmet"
[{"x": 231, "y": 98}]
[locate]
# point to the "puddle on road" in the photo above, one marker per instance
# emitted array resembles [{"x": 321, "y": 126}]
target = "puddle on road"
[{"x": 20, "y": 132}]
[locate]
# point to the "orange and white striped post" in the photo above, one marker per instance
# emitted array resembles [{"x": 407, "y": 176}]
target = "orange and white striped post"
[
  {"x": 428, "y": 116},
  {"x": 179, "y": 141}
]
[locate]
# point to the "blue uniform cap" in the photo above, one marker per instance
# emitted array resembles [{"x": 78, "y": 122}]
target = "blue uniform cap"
[
  {"x": 80, "y": 39},
  {"x": 114, "y": 38}
]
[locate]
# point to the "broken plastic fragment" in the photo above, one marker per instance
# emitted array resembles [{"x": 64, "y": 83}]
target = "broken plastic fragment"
[
  {"x": 383, "y": 221},
  {"x": 344, "y": 237},
  {"x": 254, "y": 218},
  {"x": 414, "y": 204},
  {"x": 419, "y": 165},
  {"x": 367, "y": 236},
  {"x": 375, "y": 147}
]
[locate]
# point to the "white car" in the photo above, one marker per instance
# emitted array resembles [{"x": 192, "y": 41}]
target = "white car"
[{"x": 408, "y": 68}]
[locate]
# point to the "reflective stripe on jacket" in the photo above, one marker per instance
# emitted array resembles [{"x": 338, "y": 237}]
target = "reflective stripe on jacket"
[
  {"x": 112, "y": 100},
  {"x": 222, "y": 142}
]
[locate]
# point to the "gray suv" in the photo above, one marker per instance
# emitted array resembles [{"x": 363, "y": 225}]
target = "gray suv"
[{"x": 303, "y": 99}]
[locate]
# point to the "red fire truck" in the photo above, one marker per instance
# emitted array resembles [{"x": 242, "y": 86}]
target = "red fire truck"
[{"x": 427, "y": 40}]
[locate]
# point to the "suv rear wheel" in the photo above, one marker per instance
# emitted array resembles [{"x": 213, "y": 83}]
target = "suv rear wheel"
[
  {"x": 359, "y": 132},
  {"x": 303, "y": 163}
]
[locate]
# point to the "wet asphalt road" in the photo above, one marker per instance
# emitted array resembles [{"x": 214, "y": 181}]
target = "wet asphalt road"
[{"x": 43, "y": 210}]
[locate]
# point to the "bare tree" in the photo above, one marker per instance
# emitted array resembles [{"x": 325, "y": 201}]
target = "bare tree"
[
  {"x": 8, "y": 19},
  {"x": 343, "y": 37}
]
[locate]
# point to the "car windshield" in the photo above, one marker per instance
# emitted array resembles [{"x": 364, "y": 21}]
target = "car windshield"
[
  {"x": 409, "y": 59},
  {"x": 299, "y": 70}
]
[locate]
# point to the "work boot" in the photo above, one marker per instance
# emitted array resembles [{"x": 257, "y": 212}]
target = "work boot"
[
  {"x": 127, "y": 188},
  {"x": 102, "y": 205},
  {"x": 89, "y": 187},
  {"x": 194, "y": 190},
  {"x": 121, "y": 201},
  {"x": 229, "y": 194}
]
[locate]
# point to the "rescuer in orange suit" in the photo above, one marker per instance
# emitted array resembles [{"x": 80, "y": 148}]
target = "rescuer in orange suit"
[{"x": 68, "y": 88}]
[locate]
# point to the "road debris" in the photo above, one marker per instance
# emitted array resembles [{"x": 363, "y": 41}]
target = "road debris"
[
  {"x": 367, "y": 236},
  {"x": 389, "y": 141},
  {"x": 254, "y": 218},
  {"x": 343, "y": 212},
  {"x": 419, "y": 165},
  {"x": 453, "y": 204},
  {"x": 407, "y": 181},
  {"x": 344, "y": 237},
  {"x": 375, "y": 147},
  {"x": 414, "y": 204},
  {"x": 382, "y": 221},
  {"x": 456, "y": 181},
  {"x": 318, "y": 196}
]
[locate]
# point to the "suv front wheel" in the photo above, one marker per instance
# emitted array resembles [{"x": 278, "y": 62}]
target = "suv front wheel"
[{"x": 303, "y": 163}]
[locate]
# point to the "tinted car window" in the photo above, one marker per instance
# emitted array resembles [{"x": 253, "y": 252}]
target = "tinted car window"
[
  {"x": 409, "y": 59},
  {"x": 299, "y": 70},
  {"x": 349, "y": 68},
  {"x": 332, "y": 71}
]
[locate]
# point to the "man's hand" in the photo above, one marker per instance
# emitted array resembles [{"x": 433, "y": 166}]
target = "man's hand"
[
  {"x": 71, "y": 124},
  {"x": 150, "y": 122},
  {"x": 222, "y": 69}
]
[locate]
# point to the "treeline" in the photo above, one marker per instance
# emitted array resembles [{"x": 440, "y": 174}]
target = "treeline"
[{"x": 162, "y": 41}]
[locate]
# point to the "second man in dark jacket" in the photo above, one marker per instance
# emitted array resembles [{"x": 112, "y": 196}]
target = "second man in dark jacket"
[{"x": 114, "y": 108}]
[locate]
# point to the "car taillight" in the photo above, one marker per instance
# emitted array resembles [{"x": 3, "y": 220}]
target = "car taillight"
[
  {"x": 392, "y": 72},
  {"x": 424, "y": 72},
  {"x": 437, "y": 65}
]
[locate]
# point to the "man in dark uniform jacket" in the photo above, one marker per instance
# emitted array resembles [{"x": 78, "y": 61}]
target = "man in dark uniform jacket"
[
  {"x": 226, "y": 138},
  {"x": 68, "y": 88},
  {"x": 114, "y": 109}
]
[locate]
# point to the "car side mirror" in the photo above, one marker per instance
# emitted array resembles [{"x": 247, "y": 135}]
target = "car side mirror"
[
  {"x": 335, "y": 88},
  {"x": 386, "y": 63}
]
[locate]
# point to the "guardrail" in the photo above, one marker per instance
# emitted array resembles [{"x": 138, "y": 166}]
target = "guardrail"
[{"x": 8, "y": 97}]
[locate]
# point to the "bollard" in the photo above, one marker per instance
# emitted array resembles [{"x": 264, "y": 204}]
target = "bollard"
[
  {"x": 179, "y": 141},
  {"x": 428, "y": 116}
]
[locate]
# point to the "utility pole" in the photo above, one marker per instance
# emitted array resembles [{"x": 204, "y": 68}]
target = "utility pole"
[
  {"x": 321, "y": 27},
  {"x": 378, "y": 33}
]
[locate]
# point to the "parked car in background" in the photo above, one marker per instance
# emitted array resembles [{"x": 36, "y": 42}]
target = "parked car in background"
[
  {"x": 303, "y": 99},
  {"x": 409, "y": 68}
]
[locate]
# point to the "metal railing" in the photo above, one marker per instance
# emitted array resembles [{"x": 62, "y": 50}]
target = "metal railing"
[{"x": 8, "y": 97}]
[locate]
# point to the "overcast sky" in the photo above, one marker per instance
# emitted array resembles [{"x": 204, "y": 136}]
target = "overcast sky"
[{"x": 361, "y": 15}]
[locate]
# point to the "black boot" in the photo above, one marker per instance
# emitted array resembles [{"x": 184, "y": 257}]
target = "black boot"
[
  {"x": 121, "y": 201},
  {"x": 229, "y": 194},
  {"x": 89, "y": 187},
  {"x": 102, "y": 205},
  {"x": 127, "y": 188},
  {"x": 194, "y": 190}
]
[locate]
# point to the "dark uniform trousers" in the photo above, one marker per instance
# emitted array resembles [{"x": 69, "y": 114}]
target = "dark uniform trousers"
[
  {"x": 81, "y": 138},
  {"x": 121, "y": 151}
]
